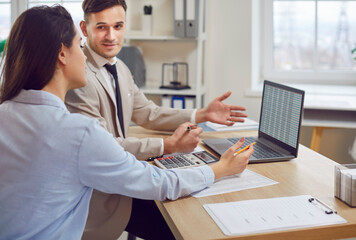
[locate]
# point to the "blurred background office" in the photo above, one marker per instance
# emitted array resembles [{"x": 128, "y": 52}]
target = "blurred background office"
[{"x": 306, "y": 44}]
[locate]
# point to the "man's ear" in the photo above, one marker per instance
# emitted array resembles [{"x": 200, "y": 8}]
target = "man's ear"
[
  {"x": 83, "y": 27},
  {"x": 62, "y": 55}
]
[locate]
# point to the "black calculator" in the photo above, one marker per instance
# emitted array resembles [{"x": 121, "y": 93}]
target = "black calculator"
[{"x": 185, "y": 160}]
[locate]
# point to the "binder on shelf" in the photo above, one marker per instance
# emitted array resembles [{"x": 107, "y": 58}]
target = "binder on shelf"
[
  {"x": 181, "y": 102},
  {"x": 191, "y": 18},
  {"x": 179, "y": 18},
  {"x": 178, "y": 102}
]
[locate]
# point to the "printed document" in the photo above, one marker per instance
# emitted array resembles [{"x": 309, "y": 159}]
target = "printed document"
[
  {"x": 266, "y": 215},
  {"x": 246, "y": 180},
  {"x": 249, "y": 124}
]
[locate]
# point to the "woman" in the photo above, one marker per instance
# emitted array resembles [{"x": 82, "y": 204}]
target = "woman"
[{"x": 51, "y": 160}]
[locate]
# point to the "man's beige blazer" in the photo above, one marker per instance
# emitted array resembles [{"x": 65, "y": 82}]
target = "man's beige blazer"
[{"x": 109, "y": 214}]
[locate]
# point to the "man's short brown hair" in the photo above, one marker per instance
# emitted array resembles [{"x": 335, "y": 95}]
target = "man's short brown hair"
[{"x": 94, "y": 6}]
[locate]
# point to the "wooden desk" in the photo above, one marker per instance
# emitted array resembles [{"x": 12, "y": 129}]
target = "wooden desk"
[
  {"x": 328, "y": 111},
  {"x": 321, "y": 119},
  {"x": 310, "y": 173}
]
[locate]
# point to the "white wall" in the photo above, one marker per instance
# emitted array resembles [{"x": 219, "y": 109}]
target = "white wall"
[
  {"x": 228, "y": 67},
  {"x": 228, "y": 52}
]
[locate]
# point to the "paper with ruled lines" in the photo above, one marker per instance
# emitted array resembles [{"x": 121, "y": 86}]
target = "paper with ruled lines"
[
  {"x": 266, "y": 215},
  {"x": 246, "y": 180}
]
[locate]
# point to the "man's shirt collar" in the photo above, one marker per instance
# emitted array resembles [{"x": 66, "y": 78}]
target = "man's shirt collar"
[{"x": 100, "y": 60}]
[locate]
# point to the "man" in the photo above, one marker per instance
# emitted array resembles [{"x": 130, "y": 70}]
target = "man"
[
  {"x": 48, "y": 172},
  {"x": 104, "y": 27}
]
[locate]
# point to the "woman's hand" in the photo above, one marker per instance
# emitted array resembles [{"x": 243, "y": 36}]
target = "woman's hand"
[{"x": 230, "y": 164}]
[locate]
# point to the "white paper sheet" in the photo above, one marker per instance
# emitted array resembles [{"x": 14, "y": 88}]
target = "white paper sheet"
[
  {"x": 246, "y": 180},
  {"x": 247, "y": 125},
  {"x": 197, "y": 149},
  {"x": 266, "y": 215}
]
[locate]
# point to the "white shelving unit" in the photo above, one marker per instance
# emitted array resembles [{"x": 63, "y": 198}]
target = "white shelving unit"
[{"x": 163, "y": 47}]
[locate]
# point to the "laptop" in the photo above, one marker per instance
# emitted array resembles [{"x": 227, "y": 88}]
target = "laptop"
[{"x": 279, "y": 128}]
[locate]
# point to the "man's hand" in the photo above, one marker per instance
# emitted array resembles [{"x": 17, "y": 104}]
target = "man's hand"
[
  {"x": 182, "y": 140},
  {"x": 230, "y": 164},
  {"x": 219, "y": 112}
]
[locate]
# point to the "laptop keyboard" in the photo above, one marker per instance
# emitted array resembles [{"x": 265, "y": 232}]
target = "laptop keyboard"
[{"x": 261, "y": 151}]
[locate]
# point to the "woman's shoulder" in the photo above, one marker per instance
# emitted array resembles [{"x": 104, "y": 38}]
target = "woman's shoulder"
[{"x": 80, "y": 120}]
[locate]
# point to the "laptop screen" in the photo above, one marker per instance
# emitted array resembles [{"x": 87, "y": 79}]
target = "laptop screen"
[{"x": 281, "y": 114}]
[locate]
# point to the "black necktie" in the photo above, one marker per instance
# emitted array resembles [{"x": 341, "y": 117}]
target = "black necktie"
[{"x": 112, "y": 70}]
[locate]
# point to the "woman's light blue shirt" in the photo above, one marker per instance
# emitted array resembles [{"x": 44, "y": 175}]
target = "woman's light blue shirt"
[{"x": 50, "y": 161}]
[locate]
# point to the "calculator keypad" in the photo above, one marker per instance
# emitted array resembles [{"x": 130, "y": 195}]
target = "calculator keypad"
[{"x": 179, "y": 161}]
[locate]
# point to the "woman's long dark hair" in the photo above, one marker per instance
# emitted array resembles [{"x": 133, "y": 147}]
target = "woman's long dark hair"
[{"x": 32, "y": 49}]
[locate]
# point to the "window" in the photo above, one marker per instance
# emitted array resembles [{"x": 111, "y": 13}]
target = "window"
[
  {"x": 74, "y": 7},
  {"x": 309, "y": 40},
  {"x": 10, "y": 10},
  {"x": 5, "y": 19}
]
